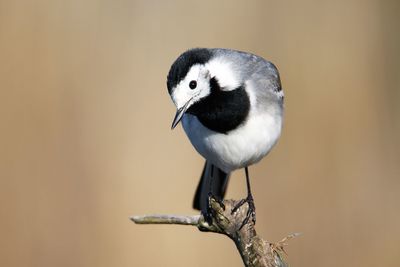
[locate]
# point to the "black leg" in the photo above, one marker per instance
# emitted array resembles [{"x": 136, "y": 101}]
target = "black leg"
[
  {"x": 251, "y": 211},
  {"x": 208, "y": 212}
]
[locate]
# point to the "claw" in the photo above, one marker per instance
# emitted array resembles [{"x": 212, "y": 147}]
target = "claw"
[
  {"x": 218, "y": 200},
  {"x": 208, "y": 214},
  {"x": 251, "y": 210},
  {"x": 207, "y": 217}
]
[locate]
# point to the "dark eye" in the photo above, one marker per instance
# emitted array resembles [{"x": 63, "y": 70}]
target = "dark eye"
[{"x": 192, "y": 84}]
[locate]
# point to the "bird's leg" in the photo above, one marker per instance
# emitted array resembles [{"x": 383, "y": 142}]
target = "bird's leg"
[
  {"x": 251, "y": 211},
  {"x": 208, "y": 212}
]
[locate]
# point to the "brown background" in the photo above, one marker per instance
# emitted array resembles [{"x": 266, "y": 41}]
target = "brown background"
[{"x": 85, "y": 136}]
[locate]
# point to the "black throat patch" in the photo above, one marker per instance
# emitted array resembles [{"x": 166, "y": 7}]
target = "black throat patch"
[{"x": 222, "y": 111}]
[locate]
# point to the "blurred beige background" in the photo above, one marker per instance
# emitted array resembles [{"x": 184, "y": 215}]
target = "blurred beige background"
[{"x": 85, "y": 137}]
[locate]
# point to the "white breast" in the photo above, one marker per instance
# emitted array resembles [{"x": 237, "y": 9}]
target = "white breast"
[{"x": 239, "y": 148}]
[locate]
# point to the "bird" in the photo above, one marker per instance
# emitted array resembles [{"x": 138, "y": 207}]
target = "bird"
[{"x": 230, "y": 104}]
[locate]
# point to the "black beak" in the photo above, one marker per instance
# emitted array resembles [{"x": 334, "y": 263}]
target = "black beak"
[{"x": 179, "y": 114}]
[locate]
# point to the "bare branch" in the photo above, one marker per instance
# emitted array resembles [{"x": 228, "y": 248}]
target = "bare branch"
[
  {"x": 166, "y": 219},
  {"x": 255, "y": 251}
]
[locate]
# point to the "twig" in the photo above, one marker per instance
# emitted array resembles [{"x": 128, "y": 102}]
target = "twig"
[
  {"x": 255, "y": 252},
  {"x": 166, "y": 219}
]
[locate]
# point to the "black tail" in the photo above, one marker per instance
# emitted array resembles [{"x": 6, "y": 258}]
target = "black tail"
[{"x": 211, "y": 178}]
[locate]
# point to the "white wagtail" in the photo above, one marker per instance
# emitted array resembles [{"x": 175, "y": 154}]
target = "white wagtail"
[{"x": 231, "y": 107}]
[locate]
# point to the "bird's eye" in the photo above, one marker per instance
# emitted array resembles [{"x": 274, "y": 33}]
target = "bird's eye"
[{"x": 192, "y": 84}]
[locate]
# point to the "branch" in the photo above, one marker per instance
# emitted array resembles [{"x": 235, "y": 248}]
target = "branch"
[
  {"x": 255, "y": 251},
  {"x": 166, "y": 219}
]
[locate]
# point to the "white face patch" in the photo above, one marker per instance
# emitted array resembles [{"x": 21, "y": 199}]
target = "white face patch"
[
  {"x": 183, "y": 93},
  {"x": 224, "y": 72}
]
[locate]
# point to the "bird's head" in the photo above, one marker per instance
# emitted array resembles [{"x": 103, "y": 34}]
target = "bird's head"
[
  {"x": 195, "y": 75},
  {"x": 189, "y": 80}
]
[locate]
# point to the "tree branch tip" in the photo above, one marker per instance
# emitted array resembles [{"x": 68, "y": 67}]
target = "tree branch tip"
[
  {"x": 134, "y": 218},
  {"x": 166, "y": 219}
]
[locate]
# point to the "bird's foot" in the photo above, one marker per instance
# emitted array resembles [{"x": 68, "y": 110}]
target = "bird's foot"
[
  {"x": 208, "y": 213},
  {"x": 251, "y": 210}
]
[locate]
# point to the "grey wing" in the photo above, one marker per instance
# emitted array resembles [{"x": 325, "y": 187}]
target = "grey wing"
[
  {"x": 260, "y": 75},
  {"x": 265, "y": 83},
  {"x": 266, "y": 78},
  {"x": 251, "y": 67}
]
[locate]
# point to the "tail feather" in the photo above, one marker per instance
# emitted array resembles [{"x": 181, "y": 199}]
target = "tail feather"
[{"x": 211, "y": 178}]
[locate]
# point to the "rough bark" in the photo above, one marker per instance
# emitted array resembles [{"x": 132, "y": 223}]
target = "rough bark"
[{"x": 255, "y": 251}]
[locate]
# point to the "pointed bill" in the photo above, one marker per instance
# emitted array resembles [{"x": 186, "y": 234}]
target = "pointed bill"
[{"x": 179, "y": 114}]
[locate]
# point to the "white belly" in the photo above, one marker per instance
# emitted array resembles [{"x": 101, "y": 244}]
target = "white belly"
[{"x": 241, "y": 147}]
